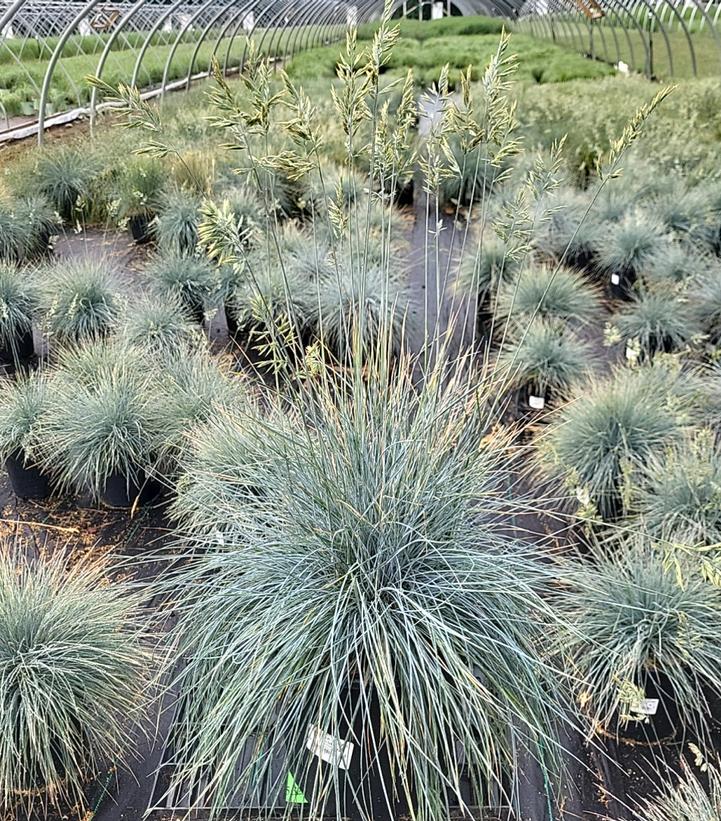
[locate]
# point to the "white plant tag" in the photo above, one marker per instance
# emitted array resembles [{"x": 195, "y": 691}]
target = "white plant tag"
[
  {"x": 645, "y": 706},
  {"x": 330, "y": 749},
  {"x": 536, "y": 402},
  {"x": 583, "y": 496},
  {"x": 615, "y": 279},
  {"x": 632, "y": 351}
]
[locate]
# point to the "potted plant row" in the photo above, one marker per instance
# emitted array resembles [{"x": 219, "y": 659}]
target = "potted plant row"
[{"x": 110, "y": 418}]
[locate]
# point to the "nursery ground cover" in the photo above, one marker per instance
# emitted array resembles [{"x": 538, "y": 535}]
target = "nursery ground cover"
[{"x": 538, "y": 61}]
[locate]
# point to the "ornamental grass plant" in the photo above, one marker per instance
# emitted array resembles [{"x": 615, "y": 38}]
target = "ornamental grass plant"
[
  {"x": 544, "y": 360},
  {"x": 629, "y": 245},
  {"x": 73, "y": 677},
  {"x": 547, "y": 293},
  {"x": 196, "y": 387},
  {"x": 658, "y": 321},
  {"x": 79, "y": 300},
  {"x": 163, "y": 327},
  {"x": 23, "y": 402},
  {"x": 695, "y": 796},
  {"x": 384, "y": 508},
  {"x": 178, "y": 220},
  {"x": 18, "y": 308},
  {"x": 65, "y": 176},
  {"x": 634, "y": 624},
  {"x": 678, "y": 497},
  {"x": 704, "y": 300},
  {"x": 189, "y": 280},
  {"x": 600, "y": 441},
  {"x": 104, "y": 422}
]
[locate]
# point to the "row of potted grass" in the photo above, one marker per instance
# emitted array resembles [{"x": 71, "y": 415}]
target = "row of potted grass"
[
  {"x": 75, "y": 300},
  {"x": 664, "y": 269},
  {"x": 322, "y": 292},
  {"x": 109, "y": 418}
]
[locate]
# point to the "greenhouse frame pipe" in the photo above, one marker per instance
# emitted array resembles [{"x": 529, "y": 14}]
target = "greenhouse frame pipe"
[
  {"x": 282, "y": 12},
  {"x": 585, "y": 38},
  {"x": 306, "y": 24},
  {"x": 712, "y": 26},
  {"x": 282, "y": 30},
  {"x": 269, "y": 25},
  {"x": 9, "y": 15},
  {"x": 652, "y": 13},
  {"x": 570, "y": 23},
  {"x": 241, "y": 14},
  {"x": 624, "y": 29},
  {"x": 19, "y": 62},
  {"x": 545, "y": 23},
  {"x": 336, "y": 27},
  {"x": 199, "y": 43},
  {"x": 181, "y": 33},
  {"x": 541, "y": 23},
  {"x": 302, "y": 29},
  {"x": 104, "y": 56},
  {"x": 238, "y": 14},
  {"x": 706, "y": 19},
  {"x": 644, "y": 41},
  {"x": 682, "y": 23},
  {"x": 622, "y": 5},
  {"x": 249, "y": 37},
  {"x": 326, "y": 27},
  {"x": 168, "y": 13},
  {"x": 64, "y": 37},
  {"x": 323, "y": 23},
  {"x": 587, "y": 43}
]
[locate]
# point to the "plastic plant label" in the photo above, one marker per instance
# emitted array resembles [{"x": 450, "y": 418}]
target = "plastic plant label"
[
  {"x": 632, "y": 351},
  {"x": 645, "y": 706},
  {"x": 583, "y": 496},
  {"x": 615, "y": 279},
  {"x": 537, "y": 402},
  {"x": 330, "y": 749},
  {"x": 293, "y": 793}
]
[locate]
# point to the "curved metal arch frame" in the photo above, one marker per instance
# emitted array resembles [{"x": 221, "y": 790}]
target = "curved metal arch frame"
[
  {"x": 317, "y": 22},
  {"x": 290, "y": 27},
  {"x": 665, "y": 17}
]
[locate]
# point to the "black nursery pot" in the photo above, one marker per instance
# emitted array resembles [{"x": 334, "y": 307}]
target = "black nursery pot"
[
  {"x": 620, "y": 284},
  {"x": 230, "y": 321},
  {"x": 24, "y": 348},
  {"x": 660, "y": 728},
  {"x": 196, "y": 311},
  {"x": 27, "y": 481},
  {"x": 365, "y": 780},
  {"x": 657, "y": 344},
  {"x": 140, "y": 228},
  {"x": 362, "y": 782},
  {"x": 122, "y": 492},
  {"x": 404, "y": 193}
]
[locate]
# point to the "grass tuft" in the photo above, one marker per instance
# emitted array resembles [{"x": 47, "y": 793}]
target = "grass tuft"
[{"x": 73, "y": 670}]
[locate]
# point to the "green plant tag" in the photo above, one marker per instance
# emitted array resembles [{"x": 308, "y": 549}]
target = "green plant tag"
[{"x": 293, "y": 793}]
